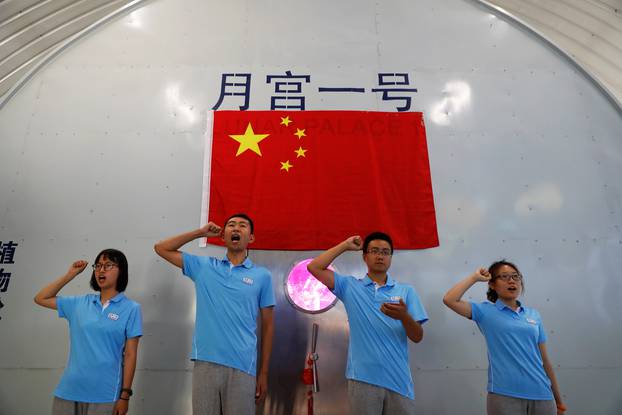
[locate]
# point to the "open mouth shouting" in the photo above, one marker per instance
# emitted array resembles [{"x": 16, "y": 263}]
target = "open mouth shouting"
[
  {"x": 235, "y": 237},
  {"x": 101, "y": 279}
]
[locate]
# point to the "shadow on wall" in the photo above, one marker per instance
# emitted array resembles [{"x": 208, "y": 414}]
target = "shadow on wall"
[
  {"x": 165, "y": 371},
  {"x": 286, "y": 390}
]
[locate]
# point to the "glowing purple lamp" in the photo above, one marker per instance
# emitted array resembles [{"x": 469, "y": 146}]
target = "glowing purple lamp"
[{"x": 305, "y": 292}]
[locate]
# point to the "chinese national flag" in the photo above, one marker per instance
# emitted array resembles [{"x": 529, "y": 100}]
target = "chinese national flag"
[{"x": 310, "y": 179}]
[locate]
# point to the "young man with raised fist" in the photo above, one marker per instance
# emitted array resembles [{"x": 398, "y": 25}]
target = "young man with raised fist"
[
  {"x": 230, "y": 293},
  {"x": 382, "y": 315}
]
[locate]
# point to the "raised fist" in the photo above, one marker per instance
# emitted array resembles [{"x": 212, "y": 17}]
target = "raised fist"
[
  {"x": 210, "y": 230},
  {"x": 354, "y": 243},
  {"x": 482, "y": 274},
  {"x": 77, "y": 267}
]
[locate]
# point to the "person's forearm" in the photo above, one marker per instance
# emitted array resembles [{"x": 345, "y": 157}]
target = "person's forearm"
[
  {"x": 175, "y": 242},
  {"x": 456, "y": 292},
  {"x": 129, "y": 366},
  {"x": 414, "y": 330},
  {"x": 52, "y": 289},
  {"x": 322, "y": 261},
  {"x": 548, "y": 368},
  {"x": 267, "y": 331}
]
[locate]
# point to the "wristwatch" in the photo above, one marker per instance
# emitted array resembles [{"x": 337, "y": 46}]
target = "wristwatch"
[{"x": 128, "y": 391}]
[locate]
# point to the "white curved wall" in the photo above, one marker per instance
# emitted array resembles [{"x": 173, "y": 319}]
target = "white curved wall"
[{"x": 588, "y": 30}]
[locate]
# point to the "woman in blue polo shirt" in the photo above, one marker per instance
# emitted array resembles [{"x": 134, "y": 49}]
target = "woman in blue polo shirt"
[
  {"x": 520, "y": 376},
  {"x": 104, "y": 329}
]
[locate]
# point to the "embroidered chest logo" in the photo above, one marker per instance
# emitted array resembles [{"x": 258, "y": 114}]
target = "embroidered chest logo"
[
  {"x": 113, "y": 316},
  {"x": 395, "y": 298},
  {"x": 247, "y": 281},
  {"x": 531, "y": 321}
]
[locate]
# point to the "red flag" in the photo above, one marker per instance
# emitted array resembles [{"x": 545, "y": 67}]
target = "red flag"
[{"x": 310, "y": 179}]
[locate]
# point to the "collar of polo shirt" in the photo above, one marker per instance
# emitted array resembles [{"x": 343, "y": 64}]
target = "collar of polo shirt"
[
  {"x": 247, "y": 263},
  {"x": 114, "y": 299},
  {"x": 390, "y": 281},
  {"x": 501, "y": 305}
]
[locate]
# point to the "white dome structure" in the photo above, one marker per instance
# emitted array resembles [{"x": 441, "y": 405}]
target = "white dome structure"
[{"x": 103, "y": 146}]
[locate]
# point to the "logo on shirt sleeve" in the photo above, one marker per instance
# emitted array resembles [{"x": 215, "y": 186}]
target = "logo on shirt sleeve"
[
  {"x": 247, "y": 281},
  {"x": 113, "y": 316}
]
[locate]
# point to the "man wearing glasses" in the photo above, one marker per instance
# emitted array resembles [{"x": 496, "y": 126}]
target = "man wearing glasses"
[
  {"x": 382, "y": 314},
  {"x": 231, "y": 292}
]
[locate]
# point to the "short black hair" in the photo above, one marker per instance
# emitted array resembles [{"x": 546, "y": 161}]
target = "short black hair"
[
  {"x": 118, "y": 258},
  {"x": 493, "y": 268},
  {"x": 374, "y": 236},
  {"x": 243, "y": 216}
]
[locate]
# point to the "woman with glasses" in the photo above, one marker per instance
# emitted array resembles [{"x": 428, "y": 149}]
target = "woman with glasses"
[
  {"x": 104, "y": 329},
  {"x": 520, "y": 376}
]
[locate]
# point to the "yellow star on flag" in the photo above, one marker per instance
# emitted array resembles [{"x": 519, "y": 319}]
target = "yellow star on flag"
[
  {"x": 286, "y": 166},
  {"x": 300, "y": 133},
  {"x": 300, "y": 152},
  {"x": 249, "y": 140},
  {"x": 285, "y": 121}
]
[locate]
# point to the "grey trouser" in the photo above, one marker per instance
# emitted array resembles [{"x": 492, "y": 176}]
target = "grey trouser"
[
  {"x": 63, "y": 407},
  {"x": 218, "y": 389},
  {"x": 507, "y": 405},
  {"x": 366, "y": 399}
]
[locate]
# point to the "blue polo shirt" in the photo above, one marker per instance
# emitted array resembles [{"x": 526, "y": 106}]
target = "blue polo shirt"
[
  {"x": 97, "y": 339},
  {"x": 514, "y": 361},
  {"x": 228, "y": 300},
  {"x": 378, "y": 349}
]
